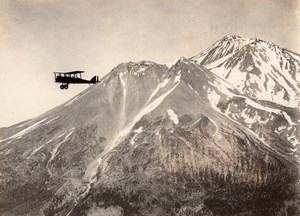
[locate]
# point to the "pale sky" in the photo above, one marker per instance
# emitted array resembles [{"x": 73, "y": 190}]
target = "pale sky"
[{"x": 38, "y": 37}]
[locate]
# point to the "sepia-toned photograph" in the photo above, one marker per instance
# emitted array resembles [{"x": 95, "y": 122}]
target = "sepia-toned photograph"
[{"x": 150, "y": 107}]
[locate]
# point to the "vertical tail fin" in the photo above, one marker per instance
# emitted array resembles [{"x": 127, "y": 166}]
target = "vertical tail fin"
[{"x": 95, "y": 79}]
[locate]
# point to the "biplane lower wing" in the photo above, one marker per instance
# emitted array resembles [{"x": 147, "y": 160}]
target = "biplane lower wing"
[{"x": 71, "y": 80}]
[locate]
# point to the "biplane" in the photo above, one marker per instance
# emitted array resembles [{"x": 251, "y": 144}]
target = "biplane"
[{"x": 73, "y": 77}]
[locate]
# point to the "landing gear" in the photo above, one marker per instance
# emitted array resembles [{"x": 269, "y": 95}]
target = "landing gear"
[{"x": 64, "y": 86}]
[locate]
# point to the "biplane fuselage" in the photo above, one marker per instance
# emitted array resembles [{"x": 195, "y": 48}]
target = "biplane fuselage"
[{"x": 73, "y": 77}]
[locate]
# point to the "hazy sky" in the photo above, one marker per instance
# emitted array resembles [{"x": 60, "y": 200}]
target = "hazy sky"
[{"x": 38, "y": 37}]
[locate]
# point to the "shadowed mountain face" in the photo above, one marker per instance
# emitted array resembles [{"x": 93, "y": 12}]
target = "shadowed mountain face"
[{"x": 153, "y": 140}]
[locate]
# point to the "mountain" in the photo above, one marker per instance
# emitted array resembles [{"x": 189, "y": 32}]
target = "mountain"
[
  {"x": 155, "y": 140},
  {"x": 258, "y": 68}
]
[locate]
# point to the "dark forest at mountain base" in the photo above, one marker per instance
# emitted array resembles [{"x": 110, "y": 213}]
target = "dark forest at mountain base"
[{"x": 188, "y": 200}]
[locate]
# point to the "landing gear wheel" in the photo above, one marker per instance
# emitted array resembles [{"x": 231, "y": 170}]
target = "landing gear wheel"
[{"x": 64, "y": 86}]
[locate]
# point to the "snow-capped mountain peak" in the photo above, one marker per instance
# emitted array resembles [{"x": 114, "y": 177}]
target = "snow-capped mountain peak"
[
  {"x": 222, "y": 48},
  {"x": 259, "y": 69}
]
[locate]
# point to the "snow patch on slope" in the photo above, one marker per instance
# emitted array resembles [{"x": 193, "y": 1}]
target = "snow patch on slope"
[
  {"x": 23, "y": 132},
  {"x": 219, "y": 61},
  {"x": 56, "y": 147},
  {"x": 51, "y": 120},
  {"x": 213, "y": 97},
  {"x": 137, "y": 132},
  {"x": 177, "y": 78},
  {"x": 38, "y": 148},
  {"x": 288, "y": 118},
  {"x": 160, "y": 86},
  {"x": 172, "y": 116},
  {"x": 142, "y": 69},
  {"x": 91, "y": 170},
  {"x": 71, "y": 101}
]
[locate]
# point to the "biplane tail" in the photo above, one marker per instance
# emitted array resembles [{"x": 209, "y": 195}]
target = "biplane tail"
[{"x": 95, "y": 79}]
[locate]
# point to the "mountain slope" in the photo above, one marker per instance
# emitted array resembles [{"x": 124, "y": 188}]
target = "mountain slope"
[{"x": 153, "y": 140}]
